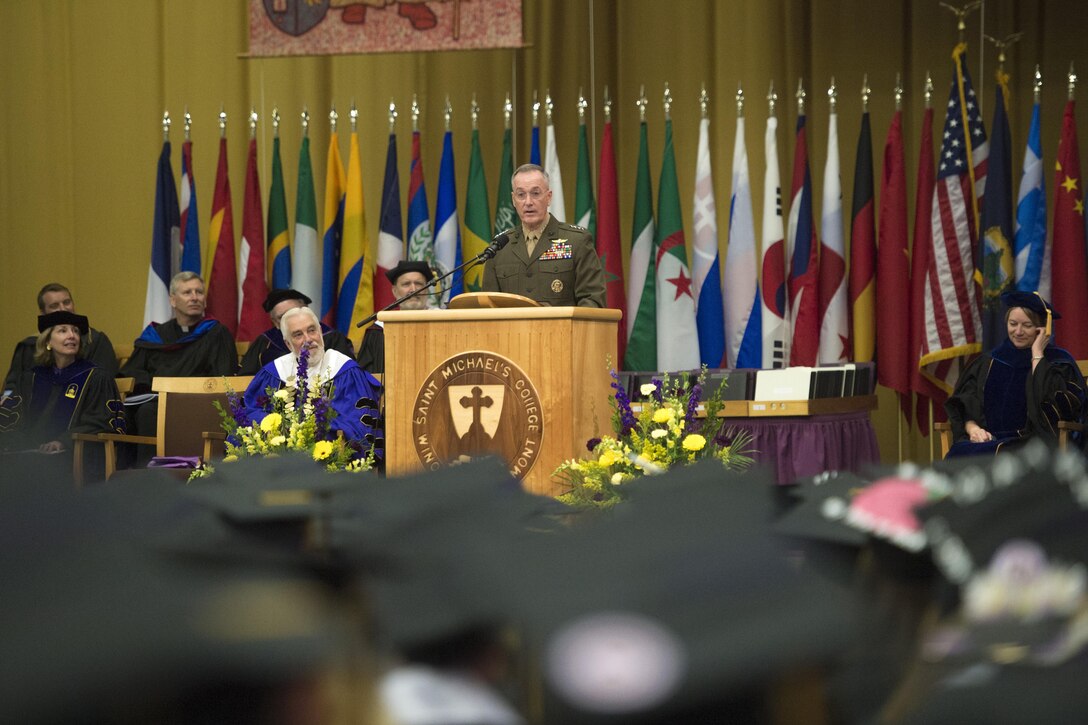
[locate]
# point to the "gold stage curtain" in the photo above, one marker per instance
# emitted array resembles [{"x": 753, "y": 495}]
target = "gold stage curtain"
[{"x": 83, "y": 86}]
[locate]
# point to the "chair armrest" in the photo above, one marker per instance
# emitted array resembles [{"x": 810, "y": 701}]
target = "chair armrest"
[
  {"x": 78, "y": 441},
  {"x": 112, "y": 439},
  {"x": 1065, "y": 427},
  {"x": 944, "y": 428},
  {"x": 211, "y": 436}
]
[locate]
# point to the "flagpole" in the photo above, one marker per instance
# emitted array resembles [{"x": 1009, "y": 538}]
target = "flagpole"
[
  {"x": 166, "y": 126},
  {"x": 927, "y": 95}
]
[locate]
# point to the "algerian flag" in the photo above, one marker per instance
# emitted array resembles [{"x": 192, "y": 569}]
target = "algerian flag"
[{"x": 641, "y": 292}]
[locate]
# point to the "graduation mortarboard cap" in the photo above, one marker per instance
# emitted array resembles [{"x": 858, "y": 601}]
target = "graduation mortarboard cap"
[
  {"x": 1013, "y": 537},
  {"x": 675, "y": 604},
  {"x": 277, "y": 296},
  {"x": 1029, "y": 300},
  {"x": 404, "y": 266},
  {"x": 100, "y": 627},
  {"x": 63, "y": 317}
]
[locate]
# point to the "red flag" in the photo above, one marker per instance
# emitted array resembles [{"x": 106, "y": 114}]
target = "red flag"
[
  {"x": 608, "y": 237},
  {"x": 253, "y": 320},
  {"x": 892, "y": 270},
  {"x": 804, "y": 263},
  {"x": 863, "y": 249},
  {"x": 222, "y": 277},
  {"x": 1070, "y": 270},
  {"x": 922, "y": 251}
]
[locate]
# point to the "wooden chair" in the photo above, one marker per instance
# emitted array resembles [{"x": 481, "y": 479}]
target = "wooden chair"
[
  {"x": 186, "y": 410},
  {"x": 80, "y": 440},
  {"x": 1065, "y": 428},
  {"x": 123, "y": 353}
]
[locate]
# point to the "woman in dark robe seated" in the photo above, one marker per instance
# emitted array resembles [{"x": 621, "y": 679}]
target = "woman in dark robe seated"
[
  {"x": 63, "y": 393},
  {"x": 1020, "y": 389}
]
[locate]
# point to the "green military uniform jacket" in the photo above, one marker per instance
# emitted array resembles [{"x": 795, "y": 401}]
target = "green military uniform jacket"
[{"x": 564, "y": 269}]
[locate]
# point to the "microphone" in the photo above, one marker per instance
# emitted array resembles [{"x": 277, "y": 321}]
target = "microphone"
[{"x": 501, "y": 240}]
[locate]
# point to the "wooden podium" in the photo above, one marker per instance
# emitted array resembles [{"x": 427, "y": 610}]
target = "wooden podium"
[{"x": 530, "y": 384}]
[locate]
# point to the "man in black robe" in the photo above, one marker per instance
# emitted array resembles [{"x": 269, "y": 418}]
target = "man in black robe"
[
  {"x": 190, "y": 345},
  {"x": 406, "y": 278},
  {"x": 270, "y": 344},
  {"x": 55, "y": 297}
]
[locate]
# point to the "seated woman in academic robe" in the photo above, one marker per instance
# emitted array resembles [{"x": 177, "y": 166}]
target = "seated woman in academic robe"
[
  {"x": 355, "y": 393},
  {"x": 63, "y": 393},
  {"x": 1020, "y": 389}
]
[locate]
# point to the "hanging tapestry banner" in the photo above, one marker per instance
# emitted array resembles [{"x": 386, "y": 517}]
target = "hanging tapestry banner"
[{"x": 333, "y": 27}]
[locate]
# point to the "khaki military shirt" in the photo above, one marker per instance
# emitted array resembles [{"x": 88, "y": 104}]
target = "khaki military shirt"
[{"x": 563, "y": 270}]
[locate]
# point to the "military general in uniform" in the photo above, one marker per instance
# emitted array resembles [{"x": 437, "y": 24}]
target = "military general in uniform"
[{"x": 546, "y": 260}]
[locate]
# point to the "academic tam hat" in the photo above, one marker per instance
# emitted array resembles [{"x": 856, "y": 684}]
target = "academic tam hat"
[
  {"x": 405, "y": 266},
  {"x": 277, "y": 296},
  {"x": 1029, "y": 300},
  {"x": 63, "y": 317}
]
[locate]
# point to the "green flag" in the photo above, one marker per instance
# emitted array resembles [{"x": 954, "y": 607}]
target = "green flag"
[
  {"x": 505, "y": 216},
  {"x": 677, "y": 337},
  {"x": 477, "y": 232},
  {"x": 585, "y": 211},
  {"x": 641, "y": 308},
  {"x": 279, "y": 246},
  {"x": 306, "y": 256}
]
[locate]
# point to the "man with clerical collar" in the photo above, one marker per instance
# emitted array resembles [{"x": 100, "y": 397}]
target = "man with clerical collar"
[
  {"x": 406, "y": 278},
  {"x": 271, "y": 345},
  {"x": 55, "y": 297},
  {"x": 546, "y": 260},
  {"x": 353, "y": 393},
  {"x": 190, "y": 345}
]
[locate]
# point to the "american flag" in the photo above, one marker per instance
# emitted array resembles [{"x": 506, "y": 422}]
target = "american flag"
[{"x": 951, "y": 293}]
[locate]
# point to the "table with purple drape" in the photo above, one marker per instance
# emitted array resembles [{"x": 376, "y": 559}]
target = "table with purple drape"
[{"x": 804, "y": 446}]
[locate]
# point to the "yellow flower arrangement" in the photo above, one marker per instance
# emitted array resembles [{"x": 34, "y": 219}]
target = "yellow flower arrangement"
[{"x": 666, "y": 432}]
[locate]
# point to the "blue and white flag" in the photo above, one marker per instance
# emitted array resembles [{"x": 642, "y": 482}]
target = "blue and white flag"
[
  {"x": 743, "y": 312},
  {"x": 165, "y": 237},
  {"x": 705, "y": 268},
  {"x": 1032, "y": 251},
  {"x": 447, "y": 238}
]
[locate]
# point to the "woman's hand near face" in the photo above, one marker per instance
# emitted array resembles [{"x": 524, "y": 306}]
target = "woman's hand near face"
[{"x": 1041, "y": 341}]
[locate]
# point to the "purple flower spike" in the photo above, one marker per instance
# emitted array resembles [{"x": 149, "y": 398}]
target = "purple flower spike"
[
  {"x": 693, "y": 403},
  {"x": 659, "y": 392},
  {"x": 303, "y": 369},
  {"x": 592, "y": 443}
]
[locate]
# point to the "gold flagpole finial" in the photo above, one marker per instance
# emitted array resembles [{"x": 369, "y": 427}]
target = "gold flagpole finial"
[
  {"x": 739, "y": 98},
  {"x": 536, "y": 110},
  {"x": 641, "y": 103},
  {"x": 666, "y": 101},
  {"x": 353, "y": 115},
  {"x": 704, "y": 101},
  {"x": 548, "y": 106},
  {"x": 1001, "y": 44},
  {"x": 166, "y": 126},
  {"x": 222, "y": 122},
  {"x": 607, "y": 106},
  {"x": 253, "y": 123},
  {"x": 866, "y": 91},
  {"x": 507, "y": 111},
  {"x": 415, "y": 113},
  {"x": 392, "y": 115},
  {"x": 1037, "y": 85},
  {"x": 333, "y": 118},
  {"x": 474, "y": 112},
  {"x": 1072, "y": 81},
  {"x": 772, "y": 100},
  {"x": 961, "y": 13},
  {"x": 583, "y": 104},
  {"x": 275, "y": 122},
  {"x": 800, "y": 95},
  {"x": 448, "y": 112},
  {"x": 927, "y": 92},
  {"x": 188, "y": 123},
  {"x": 898, "y": 92},
  {"x": 832, "y": 95},
  {"x": 305, "y": 116}
]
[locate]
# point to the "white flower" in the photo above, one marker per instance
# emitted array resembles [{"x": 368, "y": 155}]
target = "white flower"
[
  {"x": 658, "y": 433},
  {"x": 648, "y": 388},
  {"x": 277, "y": 441},
  {"x": 282, "y": 394},
  {"x": 617, "y": 478}
]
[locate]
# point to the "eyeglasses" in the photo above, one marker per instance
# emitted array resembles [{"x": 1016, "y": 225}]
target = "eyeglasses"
[{"x": 534, "y": 194}]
